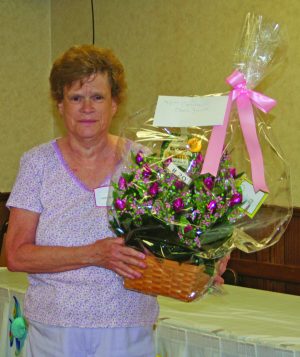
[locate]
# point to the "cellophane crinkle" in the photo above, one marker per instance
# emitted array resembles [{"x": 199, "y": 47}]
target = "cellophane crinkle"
[{"x": 163, "y": 204}]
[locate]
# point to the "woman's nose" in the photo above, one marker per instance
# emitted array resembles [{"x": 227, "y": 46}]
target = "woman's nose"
[{"x": 87, "y": 105}]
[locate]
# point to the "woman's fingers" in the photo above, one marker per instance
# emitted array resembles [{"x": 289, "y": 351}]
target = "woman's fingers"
[
  {"x": 111, "y": 253},
  {"x": 127, "y": 272},
  {"x": 222, "y": 265}
]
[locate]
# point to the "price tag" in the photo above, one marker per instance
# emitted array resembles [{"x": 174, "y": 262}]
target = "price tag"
[{"x": 179, "y": 173}]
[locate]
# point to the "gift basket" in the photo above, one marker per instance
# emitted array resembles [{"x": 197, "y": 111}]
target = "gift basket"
[{"x": 187, "y": 195}]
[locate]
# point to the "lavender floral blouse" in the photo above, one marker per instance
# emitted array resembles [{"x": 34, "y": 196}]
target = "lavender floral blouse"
[{"x": 86, "y": 297}]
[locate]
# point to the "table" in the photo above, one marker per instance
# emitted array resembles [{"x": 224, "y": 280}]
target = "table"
[{"x": 241, "y": 322}]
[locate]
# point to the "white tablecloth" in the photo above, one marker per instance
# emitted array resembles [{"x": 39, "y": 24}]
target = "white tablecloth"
[{"x": 241, "y": 322}]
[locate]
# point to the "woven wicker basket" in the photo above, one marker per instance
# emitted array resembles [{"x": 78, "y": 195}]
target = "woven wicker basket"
[{"x": 166, "y": 277}]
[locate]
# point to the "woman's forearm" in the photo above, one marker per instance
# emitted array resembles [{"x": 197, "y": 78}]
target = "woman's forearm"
[{"x": 31, "y": 258}]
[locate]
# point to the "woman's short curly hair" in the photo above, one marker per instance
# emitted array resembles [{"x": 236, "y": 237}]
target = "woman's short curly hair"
[{"x": 81, "y": 62}]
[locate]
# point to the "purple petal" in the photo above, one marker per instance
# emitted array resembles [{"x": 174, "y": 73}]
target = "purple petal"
[
  {"x": 179, "y": 185},
  {"x": 199, "y": 159},
  {"x": 236, "y": 199},
  {"x": 232, "y": 172},
  {"x": 153, "y": 190},
  {"x": 209, "y": 182},
  {"x": 146, "y": 171},
  {"x": 212, "y": 206},
  {"x": 187, "y": 228},
  {"x": 120, "y": 204},
  {"x": 139, "y": 157},
  {"x": 178, "y": 205},
  {"x": 168, "y": 161},
  {"x": 122, "y": 183}
]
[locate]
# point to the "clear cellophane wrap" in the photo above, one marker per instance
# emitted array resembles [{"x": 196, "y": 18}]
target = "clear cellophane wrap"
[{"x": 165, "y": 198}]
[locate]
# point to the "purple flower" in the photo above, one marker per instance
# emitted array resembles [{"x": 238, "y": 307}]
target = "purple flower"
[
  {"x": 235, "y": 199},
  {"x": 146, "y": 171},
  {"x": 153, "y": 189},
  {"x": 212, "y": 206},
  {"x": 120, "y": 204},
  {"x": 122, "y": 183},
  {"x": 168, "y": 161},
  {"x": 178, "y": 204},
  {"x": 179, "y": 184},
  {"x": 232, "y": 172},
  {"x": 199, "y": 159},
  {"x": 187, "y": 228},
  {"x": 139, "y": 157},
  {"x": 209, "y": 182}
]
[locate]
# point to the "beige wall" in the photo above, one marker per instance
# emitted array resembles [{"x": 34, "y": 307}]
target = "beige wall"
[
  {"x": 70, "y": 25},
  {"x": 25, "y": 118},
  {"x": 168, "y": 47}
]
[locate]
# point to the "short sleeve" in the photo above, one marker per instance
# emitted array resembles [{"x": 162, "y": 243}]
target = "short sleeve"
[{"x": 27, "y": 188}]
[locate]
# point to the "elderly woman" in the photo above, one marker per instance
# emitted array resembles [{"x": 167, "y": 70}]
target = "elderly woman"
[{"x": 76, "y": 304}]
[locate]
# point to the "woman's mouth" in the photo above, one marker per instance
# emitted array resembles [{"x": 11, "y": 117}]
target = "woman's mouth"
[{"x": 87, "y": 121}]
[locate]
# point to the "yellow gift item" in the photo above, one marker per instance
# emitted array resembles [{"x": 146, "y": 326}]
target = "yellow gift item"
[{"x": 195, "y": 144}]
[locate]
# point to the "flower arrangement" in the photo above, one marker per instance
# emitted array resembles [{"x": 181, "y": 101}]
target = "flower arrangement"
[
  {"x": 165, "y": 202},
  {"x": 192, "y": 210}
]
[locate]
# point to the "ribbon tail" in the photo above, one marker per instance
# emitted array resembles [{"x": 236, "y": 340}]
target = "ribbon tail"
[
  {"x": 216, "y": 144},
  {"x": 248, "y": 126}
]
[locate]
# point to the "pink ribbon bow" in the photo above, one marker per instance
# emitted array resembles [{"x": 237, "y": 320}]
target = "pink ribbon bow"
[{"x": 245, "y": 98}]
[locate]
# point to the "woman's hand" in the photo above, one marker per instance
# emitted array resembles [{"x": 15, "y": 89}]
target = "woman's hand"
[
  {"x": 111, "y": 253},
  {"x": 24, "y": 255},
  {"x": 222, "y": 264}
]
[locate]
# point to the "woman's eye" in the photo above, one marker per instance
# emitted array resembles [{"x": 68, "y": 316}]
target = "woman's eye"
[
  {"x": 97, "y": 97},
  {"x": 75, "y": 98}
]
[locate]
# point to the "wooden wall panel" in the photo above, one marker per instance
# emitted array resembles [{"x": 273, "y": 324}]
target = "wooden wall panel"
[
  {"x": 276, "y": 268},
  {"x": 4, "y": 213},
  {"x": 3, "y": 210}
]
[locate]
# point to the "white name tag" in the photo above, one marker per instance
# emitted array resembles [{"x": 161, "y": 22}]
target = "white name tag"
[
  {"x": 102, "y": 197},
  {"x": 180, "y": 174},
  {"x": 172, "y": 111}
]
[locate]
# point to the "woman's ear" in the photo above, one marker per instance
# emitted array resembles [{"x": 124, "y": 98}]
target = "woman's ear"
[
  {"x": 60, "y": 107},
  {"x": 114, "y": 106}
]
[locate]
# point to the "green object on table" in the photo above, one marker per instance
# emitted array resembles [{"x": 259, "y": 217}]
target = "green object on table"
[{"x": 19, "y": 328}]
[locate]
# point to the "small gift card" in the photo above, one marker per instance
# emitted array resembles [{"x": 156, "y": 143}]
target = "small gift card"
[
  {"x": 172, "y": 111},
  {"x": 252, "y": 200},
  {"x": 102, "y": 197}
]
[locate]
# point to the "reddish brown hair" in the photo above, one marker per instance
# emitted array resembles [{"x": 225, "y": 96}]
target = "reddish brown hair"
[{"x": 81, "y": 62}]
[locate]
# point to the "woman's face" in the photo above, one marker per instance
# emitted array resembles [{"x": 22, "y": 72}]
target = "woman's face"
[{"x": 88, "y": 109}]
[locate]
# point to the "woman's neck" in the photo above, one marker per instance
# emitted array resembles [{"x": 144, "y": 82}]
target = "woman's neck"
[
  {"x": 91, "y": 164},
  {"x": 88, "y": 149}
]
